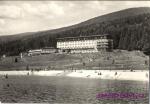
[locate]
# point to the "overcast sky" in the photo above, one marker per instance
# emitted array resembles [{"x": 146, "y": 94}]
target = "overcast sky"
[{"x": 28, "y": 16}]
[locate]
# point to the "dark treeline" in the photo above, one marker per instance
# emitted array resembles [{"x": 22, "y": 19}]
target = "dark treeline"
[{"x": 129, "y": 33}]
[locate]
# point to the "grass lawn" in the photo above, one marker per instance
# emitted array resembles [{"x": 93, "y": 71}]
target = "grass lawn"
[{"x": 118, "y": 60}]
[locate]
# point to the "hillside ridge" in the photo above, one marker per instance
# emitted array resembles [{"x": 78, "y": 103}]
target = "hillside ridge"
[{"x": 129, "y": 28}]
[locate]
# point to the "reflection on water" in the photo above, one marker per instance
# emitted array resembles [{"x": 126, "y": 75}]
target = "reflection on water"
[{"x": 67, "y": 90}]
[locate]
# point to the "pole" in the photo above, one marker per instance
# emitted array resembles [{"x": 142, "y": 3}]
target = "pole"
[
  {"x": 149, "y": 64},
  {"x": 99, "y": 66},
  {"x": 149, "y": 78}
]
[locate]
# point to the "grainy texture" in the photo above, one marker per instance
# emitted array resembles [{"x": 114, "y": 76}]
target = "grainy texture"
[{"x": 130, "y": 30}]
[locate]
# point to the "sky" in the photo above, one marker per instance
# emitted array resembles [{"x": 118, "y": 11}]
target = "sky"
[{"x": 31, "y": 16}]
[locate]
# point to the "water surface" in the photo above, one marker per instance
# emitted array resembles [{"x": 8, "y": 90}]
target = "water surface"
[{"x": 39, "y": 89}]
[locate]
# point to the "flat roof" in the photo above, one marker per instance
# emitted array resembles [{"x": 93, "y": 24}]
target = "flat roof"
[
  {"x": 48, "y": 48},
  {"x": 92, "y": 36}
]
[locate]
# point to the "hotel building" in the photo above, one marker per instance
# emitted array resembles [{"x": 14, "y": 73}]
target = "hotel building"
[{"x": 85, "y": 44}]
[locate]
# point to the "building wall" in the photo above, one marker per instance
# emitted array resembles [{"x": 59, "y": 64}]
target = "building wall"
[{"x": 47, "y": 51}]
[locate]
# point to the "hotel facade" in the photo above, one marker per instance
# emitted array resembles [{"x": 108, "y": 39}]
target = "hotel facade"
[{"x": 85, "y": 44}]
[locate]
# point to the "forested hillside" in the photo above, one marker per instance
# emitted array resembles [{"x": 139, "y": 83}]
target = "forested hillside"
[{"x": 129, "y": 29}]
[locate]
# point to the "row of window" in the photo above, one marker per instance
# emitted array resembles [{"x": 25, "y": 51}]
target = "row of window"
[
  {"x": 84, "y": 42},
  {"x": 83, "y": 38},
  {"x": 80, "y": 45},
  {"x": 83, "y": 51},
  {"x": 76, "y": 44}
]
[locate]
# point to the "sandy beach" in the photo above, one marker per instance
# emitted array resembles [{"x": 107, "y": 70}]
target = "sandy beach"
[{"x": 101, "y": 74}]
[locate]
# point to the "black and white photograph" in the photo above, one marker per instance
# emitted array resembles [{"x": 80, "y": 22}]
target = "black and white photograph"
[{"x": 74, "y": 52}]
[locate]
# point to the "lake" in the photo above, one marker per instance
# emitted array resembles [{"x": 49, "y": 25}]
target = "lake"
[{"x": 41, "y": 89}]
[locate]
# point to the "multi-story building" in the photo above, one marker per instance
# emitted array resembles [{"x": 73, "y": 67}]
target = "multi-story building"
[{"x": 85, "y": 44}]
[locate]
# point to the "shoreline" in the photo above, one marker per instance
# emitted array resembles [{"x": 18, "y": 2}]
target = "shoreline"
[{"x": 137, "y": 75}]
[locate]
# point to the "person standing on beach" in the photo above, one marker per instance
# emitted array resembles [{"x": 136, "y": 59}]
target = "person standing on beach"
[{"x": 6, "y": 76}]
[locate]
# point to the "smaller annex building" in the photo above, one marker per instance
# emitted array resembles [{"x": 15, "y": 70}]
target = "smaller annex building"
[
  {"x": 45, "y": 50},
  {"x": 85, "y": 44}
]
